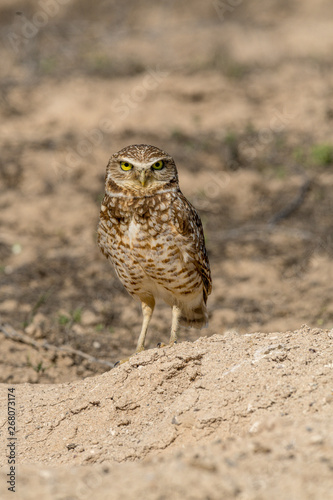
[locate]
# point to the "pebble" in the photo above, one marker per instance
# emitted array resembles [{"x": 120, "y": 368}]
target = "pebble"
[
  {"x": 37, "y": 328},
  {"x": 316, "y": 439},
  {"x": 88, "y": 318},
  {"x": 9, "y": 305}
]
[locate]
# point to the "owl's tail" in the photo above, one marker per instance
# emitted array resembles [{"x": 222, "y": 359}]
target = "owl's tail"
[{"x": 197, "y": 317}]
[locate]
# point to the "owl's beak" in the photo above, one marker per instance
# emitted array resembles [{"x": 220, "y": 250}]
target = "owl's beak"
[{"x": 143, "y": 177}]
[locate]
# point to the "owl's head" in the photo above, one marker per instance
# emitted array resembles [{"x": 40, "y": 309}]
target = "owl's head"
[{"x": 142, "y": 168}]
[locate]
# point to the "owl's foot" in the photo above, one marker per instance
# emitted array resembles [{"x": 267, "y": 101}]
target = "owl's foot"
[
  {"x": 162, "y": 344},
  {"x": 121, "y": 361}
]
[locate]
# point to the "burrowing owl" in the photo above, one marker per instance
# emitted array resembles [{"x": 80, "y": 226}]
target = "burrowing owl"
[{"x": 154, "y": 237}]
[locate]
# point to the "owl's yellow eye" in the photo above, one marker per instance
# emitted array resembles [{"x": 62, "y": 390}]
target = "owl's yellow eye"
[
  {"x": 158, "y": 165},
  {"x": 124, "y": 165}
]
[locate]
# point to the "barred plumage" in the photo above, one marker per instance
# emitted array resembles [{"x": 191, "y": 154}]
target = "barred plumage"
[{"x": 154, "y": 237}]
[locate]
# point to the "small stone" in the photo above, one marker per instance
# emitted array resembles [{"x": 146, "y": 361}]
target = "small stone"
[
  {"x": 278, "y": 356},
  {"x": 124, "y": 422},
  {"x": 9, "y": 305},
  {"x": 88, "y": 318},
  {"x": 255, "y": 427},
  {"x": 16, "y": 249},
  {"x": 71, "y": 446},
  {"x": 260, "y": 447},
  {"x": 316, "y": 439},
  {"x": 78, "y": 329},
  {"x": 328, "y": 399},
  {"x": 37, "y": 327},
  {"x": 99, "y": 306},
  {"x": 250, "y": 408}
]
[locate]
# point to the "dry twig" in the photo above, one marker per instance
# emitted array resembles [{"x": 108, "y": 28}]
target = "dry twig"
[
  {"x": 25, "y": 339},
  {"x": 292, "y": 206}
]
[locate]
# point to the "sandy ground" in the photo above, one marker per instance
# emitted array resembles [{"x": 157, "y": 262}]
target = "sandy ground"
[
  {"x": 229, "y": 416},
  {"x": 241, "y": 97}
]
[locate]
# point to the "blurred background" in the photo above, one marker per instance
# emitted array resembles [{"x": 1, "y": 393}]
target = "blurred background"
[{"x": 239, "y": 93}]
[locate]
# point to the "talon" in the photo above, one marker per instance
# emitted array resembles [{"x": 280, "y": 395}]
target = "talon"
[
  {"x": 161, "y": 344},
  {"x": 121, "y": 361}
]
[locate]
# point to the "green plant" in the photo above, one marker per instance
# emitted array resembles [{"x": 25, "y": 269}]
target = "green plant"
[
  {"x": 322, "y": 154},
  {"x": 38, "y": 367},
  {"x": 48, "y": 65},
  {"x": 43, "y": 297},
  {"x": 76, "y": 315},
  {"x": 67, "y": 319},
  {"x": 40, "y": 301},
  {"x": 63, "y": 319}
]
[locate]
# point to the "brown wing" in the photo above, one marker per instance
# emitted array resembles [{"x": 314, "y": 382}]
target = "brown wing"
[{"x": 188, "y": 227}]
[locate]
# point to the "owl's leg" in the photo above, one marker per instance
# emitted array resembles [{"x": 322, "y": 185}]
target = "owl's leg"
[
  {"x": 176, "y": 313},
  {"x": 147, "y": 311}
]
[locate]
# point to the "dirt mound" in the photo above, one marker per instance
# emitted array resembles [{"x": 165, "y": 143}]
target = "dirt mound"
[{"x": 230, "y": 416}]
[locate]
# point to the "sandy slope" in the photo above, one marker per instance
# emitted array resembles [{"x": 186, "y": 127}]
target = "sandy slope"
[{"x": 228, "y": 416}]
